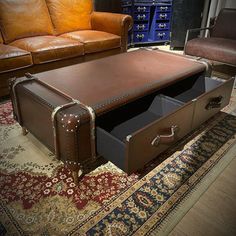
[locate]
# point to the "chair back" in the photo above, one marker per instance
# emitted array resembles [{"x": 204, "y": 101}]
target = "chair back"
[{"x": 225, "y": 24}]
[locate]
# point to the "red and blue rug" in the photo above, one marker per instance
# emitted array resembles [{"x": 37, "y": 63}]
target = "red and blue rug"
[{"x": 38, "y": 196}]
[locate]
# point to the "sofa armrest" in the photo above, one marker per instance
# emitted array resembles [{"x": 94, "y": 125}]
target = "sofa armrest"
[{"x": 118, "y": 24}]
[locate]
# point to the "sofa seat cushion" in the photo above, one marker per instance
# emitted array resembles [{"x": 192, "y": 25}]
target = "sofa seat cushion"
[
  {"x": 95, "y": 41},
  {"x": 12, "y": 58},
  {"x": 218, "y": 49},
  {"x": 50, "y": 48}
]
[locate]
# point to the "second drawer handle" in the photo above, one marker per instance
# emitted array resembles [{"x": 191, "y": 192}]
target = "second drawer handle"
[
  {"x": 166, "y": 138},
  {"x": 214, "y": 103}
]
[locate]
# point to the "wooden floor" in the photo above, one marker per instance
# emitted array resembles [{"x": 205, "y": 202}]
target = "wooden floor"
[{"x": 214, "y": 214}]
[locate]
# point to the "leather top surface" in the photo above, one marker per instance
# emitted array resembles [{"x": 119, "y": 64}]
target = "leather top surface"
[
  {"x": 70, "y": 15},
  {"x": 24, "y": 18},
  {"x": 99, "y": 81}
]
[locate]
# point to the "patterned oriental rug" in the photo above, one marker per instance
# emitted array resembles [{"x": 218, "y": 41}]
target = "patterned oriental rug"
[{"x": 38, "y": 196}]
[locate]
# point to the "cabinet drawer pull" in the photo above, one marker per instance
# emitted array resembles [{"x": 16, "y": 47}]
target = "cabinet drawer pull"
[
  {"x": 163, "y": 16},
  {"x": 140, "y": 36},
  {"x": 163, "y": 8},
  {"x": 141, "y": 17},
  {"x": 214, "y": 103},
  {"x": 162, "y": 25},
  {"x": 140, "y": 27},
  {"x": 167, "y": 138},
  {"x": 141, "y": 8}
]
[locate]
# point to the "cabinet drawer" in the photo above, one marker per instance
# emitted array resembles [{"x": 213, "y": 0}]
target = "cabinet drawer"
[
  {"x": 140, "y": 37},
  {"x": 140, "y": 27},
  {"x": 163, "y": 16},
  {"x": 163, "y": 8},
  {"x": 143, "y": 134},
  {"x": 162, "y": 25},
  {"x": 141, "y": 16},
  {"x": 142, "y": 9}
]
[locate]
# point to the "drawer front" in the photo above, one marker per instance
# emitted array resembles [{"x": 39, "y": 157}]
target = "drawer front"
[
  {"x": 142, "y": 9},
  {"x": 162, "y": 36},
  {"x": 140, "y": 146},
  {"x": 212, "y": 102},
  {"x": 162, "y": 16},
  {"x": 140, "y": 27},
  {"x": 163, "y": 8},
  {"x": 141, "y": 16},
  {"x": 140, "y": 37},
  {"x": 162, "y": 25},
  {"x": 126, "y": 10}
]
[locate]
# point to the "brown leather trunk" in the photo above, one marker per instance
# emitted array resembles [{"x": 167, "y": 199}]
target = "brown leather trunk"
[{"x": 128, "y": 108}]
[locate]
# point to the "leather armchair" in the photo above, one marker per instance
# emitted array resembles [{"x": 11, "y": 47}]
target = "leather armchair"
[{"x": 220, "y": 45}]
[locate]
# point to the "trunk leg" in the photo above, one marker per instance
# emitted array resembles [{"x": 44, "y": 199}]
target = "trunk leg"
[
  {"x": 24, "y": 131},
  {"x": 77, "y": 175}
]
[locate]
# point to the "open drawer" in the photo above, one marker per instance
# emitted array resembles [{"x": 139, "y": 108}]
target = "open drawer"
[
  {"x": 137, "y": 132},
  {"x": 210, "y": 95},
  {"x": 133, "y": 135}
]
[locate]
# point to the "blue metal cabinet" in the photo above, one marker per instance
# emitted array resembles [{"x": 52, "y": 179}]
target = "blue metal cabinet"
[{"x": 151, "y": 20}]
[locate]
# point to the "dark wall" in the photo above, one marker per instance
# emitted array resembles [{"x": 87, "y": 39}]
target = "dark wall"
[
  {"x": 108, "y": 5},
  {"x": 186, "y": 14}
]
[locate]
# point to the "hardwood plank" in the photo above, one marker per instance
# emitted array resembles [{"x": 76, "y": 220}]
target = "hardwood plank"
[{"x": 215, "y": 212}]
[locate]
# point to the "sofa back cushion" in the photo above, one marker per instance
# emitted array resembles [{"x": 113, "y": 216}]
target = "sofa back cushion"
[
  {"x": 24, "y": 18},
  {"x": 70, "y": 15},
  {"x": 224, "y": 26}
]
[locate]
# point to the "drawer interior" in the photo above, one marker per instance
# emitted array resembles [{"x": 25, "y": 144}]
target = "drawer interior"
[
  {"x": 113, "y": 127},
  {"x": 190, "y": 89},
  {"x": 130, "y": 118}
]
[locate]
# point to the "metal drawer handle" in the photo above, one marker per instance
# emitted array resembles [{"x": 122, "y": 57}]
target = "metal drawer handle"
[
  {"x": 140, "y": 27},
  {"x": 141, "y": 8},
  {"x": 140, "y": 36},
  {"x": 214, "y": 103},
  {"x": 141, "y": 17},
  {"x": 163, "y": 16},
  {"x": 168, "y": 138},
  {"x": 162, "y": 25},
  {"x": 163, "y": 8},
  {"x": 161, "y": 35}
]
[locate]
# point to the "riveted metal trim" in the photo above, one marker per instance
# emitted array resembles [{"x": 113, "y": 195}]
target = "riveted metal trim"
[
  {"x": 54, "y": 125},
  {"x": 92, "y": 126}
]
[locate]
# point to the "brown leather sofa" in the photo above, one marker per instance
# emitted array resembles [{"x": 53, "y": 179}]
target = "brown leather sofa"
[
  {"x": 221, "y": 45},
  {"x": 40, "y": 35}
]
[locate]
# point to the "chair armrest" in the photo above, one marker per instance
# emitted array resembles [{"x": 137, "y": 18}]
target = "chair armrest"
[
  {"x": 194, "y": 30},
  {"x": 118, "y": 24}
]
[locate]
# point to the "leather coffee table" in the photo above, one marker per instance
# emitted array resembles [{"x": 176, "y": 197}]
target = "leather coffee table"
[{"x": 128, "y": 108}]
